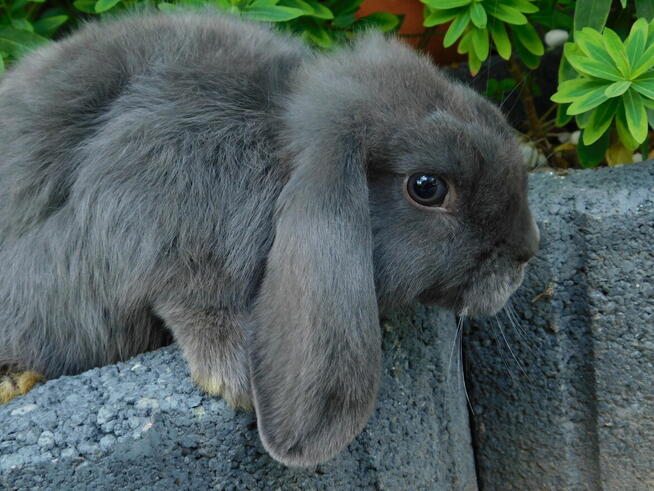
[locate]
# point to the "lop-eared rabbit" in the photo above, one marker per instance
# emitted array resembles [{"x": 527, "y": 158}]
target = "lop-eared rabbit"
[{"x": 196, "y": 175}]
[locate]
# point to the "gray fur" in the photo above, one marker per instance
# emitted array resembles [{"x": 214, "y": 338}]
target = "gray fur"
[{"x": 197, "y": 175}]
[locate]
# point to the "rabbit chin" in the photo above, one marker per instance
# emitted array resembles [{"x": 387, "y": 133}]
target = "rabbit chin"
[{"x": 484, "y": 294}]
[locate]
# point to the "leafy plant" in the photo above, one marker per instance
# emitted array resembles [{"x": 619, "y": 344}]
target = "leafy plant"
[
  {"x": 26, "y": 24},
  {"x": 478, "y": 22},
  {"x": 614, "y": 83}
]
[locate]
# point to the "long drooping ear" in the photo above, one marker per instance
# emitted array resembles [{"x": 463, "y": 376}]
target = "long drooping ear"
[{"x": 316, "y": 342}]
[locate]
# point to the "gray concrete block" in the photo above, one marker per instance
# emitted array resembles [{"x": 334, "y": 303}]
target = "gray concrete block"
[
  {"x": 578, "y": 413},
  {"x": 142, "y": 424}
]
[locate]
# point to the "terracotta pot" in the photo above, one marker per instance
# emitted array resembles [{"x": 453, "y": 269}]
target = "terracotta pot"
[{"x": 412, "y": 27}]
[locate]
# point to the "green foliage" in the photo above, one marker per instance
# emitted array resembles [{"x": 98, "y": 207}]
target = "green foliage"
[
  {"x": 498, "y": 88},
  {"x": 591, "y": 13},
  {"x": 614, "y": 83},
  {"x": 477, "y": 24},
  {"x": 26, "y": 24}
]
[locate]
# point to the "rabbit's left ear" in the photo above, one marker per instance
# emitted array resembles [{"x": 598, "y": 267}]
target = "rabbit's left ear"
[{"x": 316, "y": 342}]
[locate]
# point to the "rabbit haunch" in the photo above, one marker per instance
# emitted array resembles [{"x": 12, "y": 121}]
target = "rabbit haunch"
[{"x": 198, "y": 175}]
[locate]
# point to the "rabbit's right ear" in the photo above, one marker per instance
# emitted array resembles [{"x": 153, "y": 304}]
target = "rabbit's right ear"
[{"x": 316, "y": 342}]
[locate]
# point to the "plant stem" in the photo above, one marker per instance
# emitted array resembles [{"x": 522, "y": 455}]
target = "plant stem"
[{"x": 527, "y": 99}]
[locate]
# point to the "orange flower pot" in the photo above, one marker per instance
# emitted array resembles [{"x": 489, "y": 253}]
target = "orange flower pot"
[{"x": 412, "y": 28}]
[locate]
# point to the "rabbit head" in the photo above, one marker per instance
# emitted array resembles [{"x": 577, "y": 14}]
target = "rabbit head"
[{"x": 402, "y": 185}]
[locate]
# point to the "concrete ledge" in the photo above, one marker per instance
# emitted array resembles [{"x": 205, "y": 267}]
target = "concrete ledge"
[
  {"x": 143, "y": 424},
  {"x": 579, "y": 414}
]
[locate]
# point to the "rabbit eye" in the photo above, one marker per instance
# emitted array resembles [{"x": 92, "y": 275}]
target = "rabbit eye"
[{"x": 426, "y": 189}]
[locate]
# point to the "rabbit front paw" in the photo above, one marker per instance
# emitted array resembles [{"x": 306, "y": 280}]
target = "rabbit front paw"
[
  {"x": 234, "y": 390},
  {"x": 17, "y": 384}
]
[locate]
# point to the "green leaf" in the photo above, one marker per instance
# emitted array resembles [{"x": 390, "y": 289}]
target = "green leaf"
[
  {"x": 636, "y": 41},
  {"x": 478, "y": 15},
  {"x": 507, "y": 14},
  {"x": 636, "y": 115},
  {"x": 592, "y": 67},
  {"x": 645, "y": 9},
  {"x": 104, "y": 5},
  {"x": 320, "y": 11},
  {"x": 2, "y": 64},
  {"x": 86, "y": 6},
  {"x": 583, "y": 119},
  {"x": 529, "y": 59},
  {"x": 529, "y": 38},
  {"x": 571, "y": 90},
  {"x": 465, "y": 43},
  {"x": 381, "y": 20},
  {"x": 22, "y": 24},
  {"x": 500, "y": 38},
  {"x": 456, "y": 28},
  {"x": 588, "y": 101},
  {"x": 450, "y": 4},
  {"x": 296, "y": 4},
  {"x": 344, "y": 21},
  {"x": 16, "y": 42},
  {"x": 591, "y": 13},
  {"x": 436, "y": 17},
  {"x": 46, "y": 26},
  {"x": 523, "y": 6},
  {"x": 562, "y": 116},
  {"x": 645, "y": 63},
  {"x": 600, "y": 120},
  {"x": 623, "y": 131},
  {"x": 341, "y": 7},
  {"x": 15, "y": 6},
  {"x": 318, "y": 35},
  {"x": 260, "y": 3},
  {"x": 591, "y": 44},
  {"x": 480, "y": 43},
  {"x": 311, "y": 8},
  {"x": 474, "y": 63},
  {"x": 272, "y": 14},
  {"x": 645, "y": 85},
  {"x": 617, "y": 88},
  {"x": 592, "y": 155},
  {"x": 615, "y": 49}
]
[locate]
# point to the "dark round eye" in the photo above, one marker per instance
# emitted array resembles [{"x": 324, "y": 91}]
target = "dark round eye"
[{"x": 426, "y": 189}]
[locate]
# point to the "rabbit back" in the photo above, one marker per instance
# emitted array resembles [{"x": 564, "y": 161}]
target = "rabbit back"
[{"x": 137, "y": 164}]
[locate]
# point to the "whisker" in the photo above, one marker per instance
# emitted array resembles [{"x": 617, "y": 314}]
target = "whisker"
[
  {"x": 501, "y": 352},
  {"x": 462, "y": 371},
  {"x": 499, "y": 325},
  {"x": 454, "y": 342}
]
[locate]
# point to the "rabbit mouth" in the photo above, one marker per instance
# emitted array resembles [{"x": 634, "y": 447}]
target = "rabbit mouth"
[
  {"x": 483, "y": 294},
  {"x": 487, "y": 294}
]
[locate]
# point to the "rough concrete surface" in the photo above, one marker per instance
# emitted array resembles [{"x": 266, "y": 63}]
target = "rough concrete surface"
[
  {"x": 578, "y": 413},
  {"x": 142, "y": 424}
]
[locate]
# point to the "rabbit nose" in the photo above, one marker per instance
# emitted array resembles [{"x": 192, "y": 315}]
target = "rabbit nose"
[{"x": 529, "y": 245}]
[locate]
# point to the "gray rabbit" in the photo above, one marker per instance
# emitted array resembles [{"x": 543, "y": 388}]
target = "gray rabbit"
[{"x": 196, "y": 175}]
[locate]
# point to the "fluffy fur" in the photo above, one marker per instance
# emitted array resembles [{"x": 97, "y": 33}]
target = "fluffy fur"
[{"x": 197, "y": 175}]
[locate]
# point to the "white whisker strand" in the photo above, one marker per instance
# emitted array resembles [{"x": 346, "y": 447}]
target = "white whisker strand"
[
  {"x": 506, "y": 341},
  {"x": 462, "y": 371},
  {"x": 500, "y": 348}
]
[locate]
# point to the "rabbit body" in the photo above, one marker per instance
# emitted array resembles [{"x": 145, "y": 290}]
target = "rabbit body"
[
  {"x": 129, "y": 161},
  {"x": 198, "y": 175}
]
